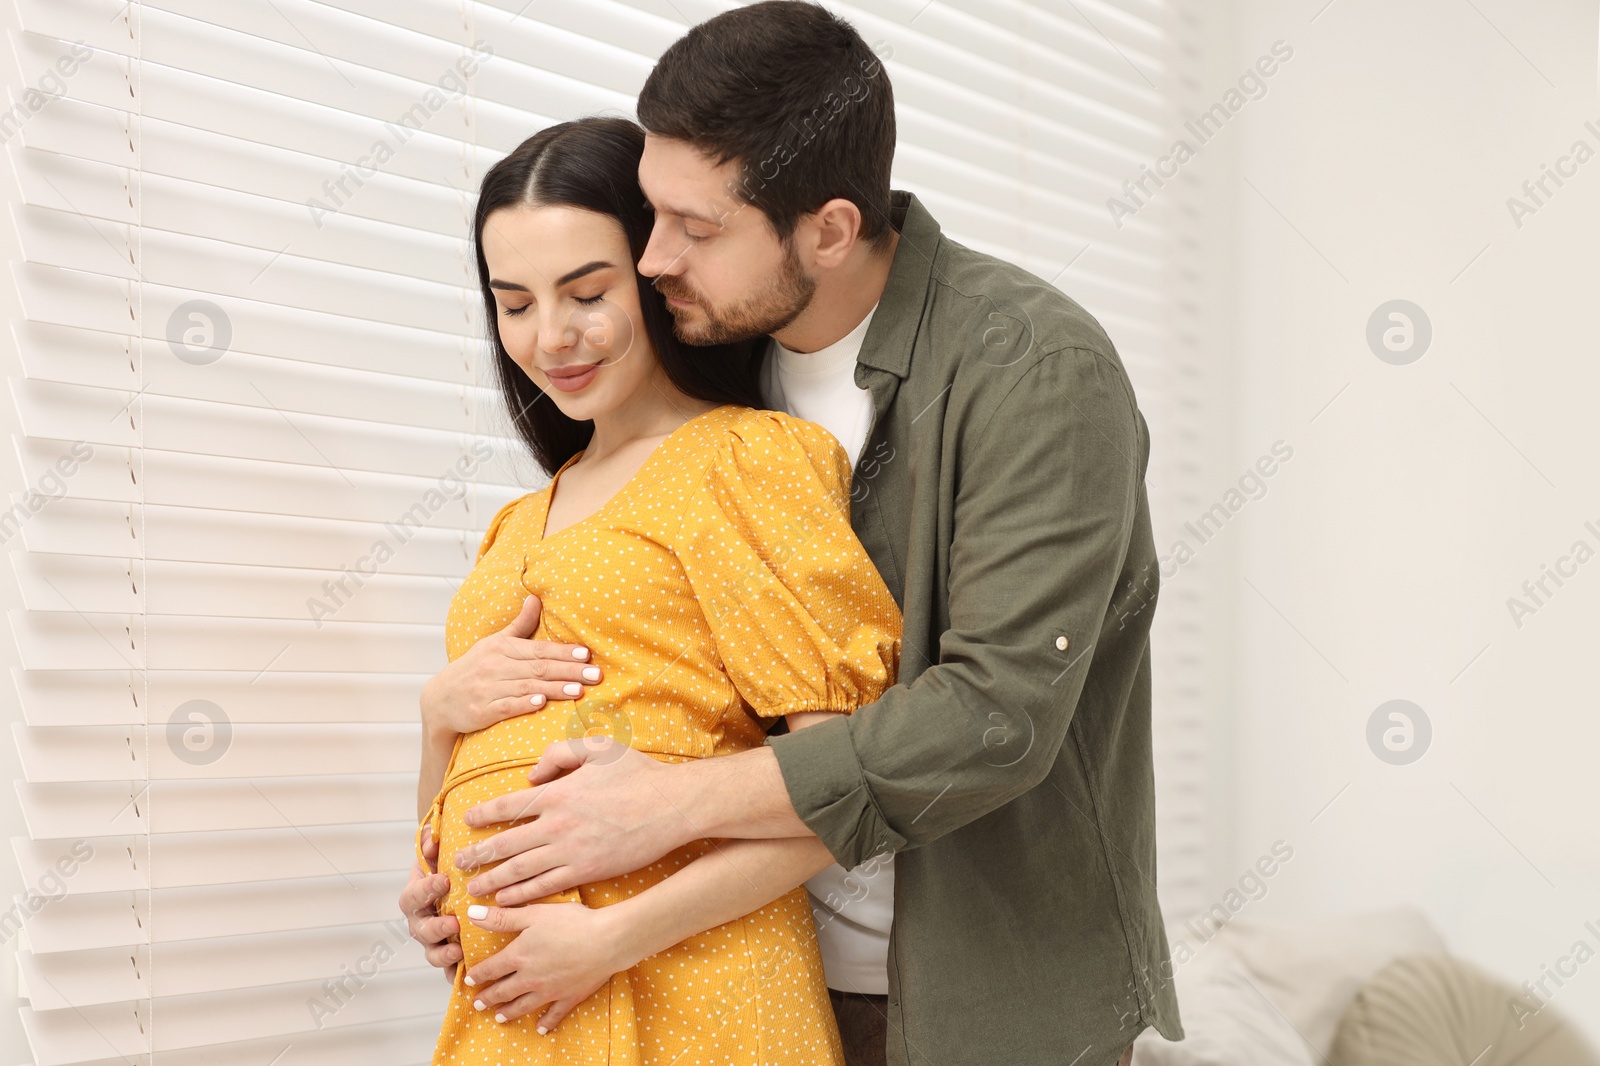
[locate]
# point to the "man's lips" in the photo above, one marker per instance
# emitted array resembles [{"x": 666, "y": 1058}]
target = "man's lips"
[{"x": 674, "y": 299}]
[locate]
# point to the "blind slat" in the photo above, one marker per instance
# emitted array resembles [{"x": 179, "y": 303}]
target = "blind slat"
[
  {"x": 181, "y": 860},
  {"x": 108, "y": 697},
  {"x": 125, "y": 753},
  {"x": 185, "y": 967},
  {"x": 74, "y": 923},
  {"x": 73, "y": 810},
  {"x": 190, "y": 479}
]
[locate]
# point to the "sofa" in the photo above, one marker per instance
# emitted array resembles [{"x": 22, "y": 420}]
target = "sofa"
[{"x": 1370, "y": 989}]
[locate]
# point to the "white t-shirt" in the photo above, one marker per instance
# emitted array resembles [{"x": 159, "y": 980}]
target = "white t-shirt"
[{"x": 853, "y": 908}]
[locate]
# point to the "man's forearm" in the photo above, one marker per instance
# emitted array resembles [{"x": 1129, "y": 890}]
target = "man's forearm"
[{"x": 737, "y": 796}]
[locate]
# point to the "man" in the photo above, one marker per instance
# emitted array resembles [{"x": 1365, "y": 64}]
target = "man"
[{"x": 999, "y": 488}]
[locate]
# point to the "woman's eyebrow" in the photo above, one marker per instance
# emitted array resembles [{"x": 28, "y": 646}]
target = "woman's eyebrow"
[
  {"x": 569, "y": 276},
  {"x": 587, "y": 268}
]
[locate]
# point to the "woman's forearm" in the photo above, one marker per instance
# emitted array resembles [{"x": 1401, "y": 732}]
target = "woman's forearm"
[
  {"x": 728, "y": 882},
  {"x": 437, "y": 747},
  {"x": 732, "y": 879}
]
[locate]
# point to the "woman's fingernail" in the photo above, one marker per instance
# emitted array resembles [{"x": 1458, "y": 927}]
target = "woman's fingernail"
[
  {"x": 591, "y": 673},
  {"x": 470, "y": 983},
  {"x": 580, "y": 653},
  {"x": 572, "y": 689},
  {"x": 542, "y": 1030},
  {"x": 537, "y": 699},
  {"x": 499, "y": 1017},
  {"x": 479, "y": 1004},
  {"x": 478, "y": 911}
]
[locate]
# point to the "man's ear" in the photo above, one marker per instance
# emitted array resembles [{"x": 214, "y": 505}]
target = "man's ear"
[{"x": 837, "y": 228}]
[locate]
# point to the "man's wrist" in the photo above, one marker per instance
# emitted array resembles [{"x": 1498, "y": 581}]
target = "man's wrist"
[
  {"x": 683, "y": 790},
  {"x": 739, "y": 796}
]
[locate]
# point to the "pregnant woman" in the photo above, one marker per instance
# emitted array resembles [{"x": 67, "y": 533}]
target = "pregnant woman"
[{"x": 701, "y": 550}]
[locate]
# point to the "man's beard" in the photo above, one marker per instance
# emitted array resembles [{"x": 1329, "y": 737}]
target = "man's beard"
[{"x": 765, "y": 313}]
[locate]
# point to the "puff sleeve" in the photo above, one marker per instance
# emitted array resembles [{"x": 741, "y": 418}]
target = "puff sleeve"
[
  {"x": 800, "y": 616},
  {"x": 496, "y": 522}
]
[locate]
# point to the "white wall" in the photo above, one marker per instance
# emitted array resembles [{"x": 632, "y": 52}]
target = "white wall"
[{"x": 1421, "y": 496}]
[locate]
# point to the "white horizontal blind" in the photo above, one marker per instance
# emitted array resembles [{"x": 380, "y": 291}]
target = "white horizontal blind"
[
  {"x": 231, "y": 609},
  {"x": 269, "y": 496}
]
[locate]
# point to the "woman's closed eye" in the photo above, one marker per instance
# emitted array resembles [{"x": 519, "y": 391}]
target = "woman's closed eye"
[{"x": 587, "y": 301}]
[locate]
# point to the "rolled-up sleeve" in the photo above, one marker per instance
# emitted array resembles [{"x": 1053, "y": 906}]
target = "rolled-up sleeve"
[{"x": 1045, "y": 503}]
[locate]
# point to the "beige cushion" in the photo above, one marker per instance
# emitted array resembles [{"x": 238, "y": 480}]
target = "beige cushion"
[
  {"x": 1226, "y": 1021},
  {"x": 1436, "y": 1010},
  {"x": 1311, "y": 970}
]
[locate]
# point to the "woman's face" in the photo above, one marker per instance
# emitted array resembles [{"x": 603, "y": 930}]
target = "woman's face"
[{"x": 567, "y": 306}]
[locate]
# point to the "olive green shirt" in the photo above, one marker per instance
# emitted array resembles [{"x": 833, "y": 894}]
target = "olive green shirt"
[{"x": 1001, "y": 495}]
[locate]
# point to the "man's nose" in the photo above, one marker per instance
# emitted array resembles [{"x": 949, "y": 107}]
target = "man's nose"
[{"x": 660, "y": 256}]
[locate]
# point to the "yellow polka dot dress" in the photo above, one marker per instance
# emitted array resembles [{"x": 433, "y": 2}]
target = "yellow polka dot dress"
[{"x": 721, "y": 588}]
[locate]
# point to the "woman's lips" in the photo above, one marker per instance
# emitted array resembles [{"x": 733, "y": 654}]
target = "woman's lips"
[{"x": 572, "y": 378}]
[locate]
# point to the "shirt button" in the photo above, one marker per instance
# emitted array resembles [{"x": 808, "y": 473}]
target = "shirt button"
[{"x": 1061, "y": 644}]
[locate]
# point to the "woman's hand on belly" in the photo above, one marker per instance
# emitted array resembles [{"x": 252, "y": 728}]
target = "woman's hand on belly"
[
  {"x": 563, "y": 953},
  {"x": 506, "y": 674},
  {"x": 438, "y": 934}
]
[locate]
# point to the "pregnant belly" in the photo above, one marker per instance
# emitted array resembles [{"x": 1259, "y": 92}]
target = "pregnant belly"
[
  {"x": 519, "y": 741},
  {"x": 455, "y": 835}
]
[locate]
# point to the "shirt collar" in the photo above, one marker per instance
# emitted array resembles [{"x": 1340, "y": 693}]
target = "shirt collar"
[{"x": 894, "y": 326}]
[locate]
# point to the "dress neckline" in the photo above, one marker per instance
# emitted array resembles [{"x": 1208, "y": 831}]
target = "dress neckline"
[{"x": 638, "y": 477}]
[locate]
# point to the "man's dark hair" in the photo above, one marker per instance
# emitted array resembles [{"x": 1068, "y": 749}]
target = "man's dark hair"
[{"x": 794, "y": 95}]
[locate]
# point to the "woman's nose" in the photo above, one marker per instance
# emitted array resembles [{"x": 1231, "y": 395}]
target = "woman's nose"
[{"x": 556, "y": 332}]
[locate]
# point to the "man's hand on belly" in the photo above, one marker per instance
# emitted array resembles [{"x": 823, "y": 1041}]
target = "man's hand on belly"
[{"x": 597, "y": 810}]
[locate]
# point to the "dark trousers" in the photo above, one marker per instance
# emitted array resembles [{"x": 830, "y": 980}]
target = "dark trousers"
[{"x": 864, "y": 1028}]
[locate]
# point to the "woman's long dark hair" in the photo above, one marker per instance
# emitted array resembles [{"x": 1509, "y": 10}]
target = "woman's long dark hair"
[{"x": 593, "y": 164}]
